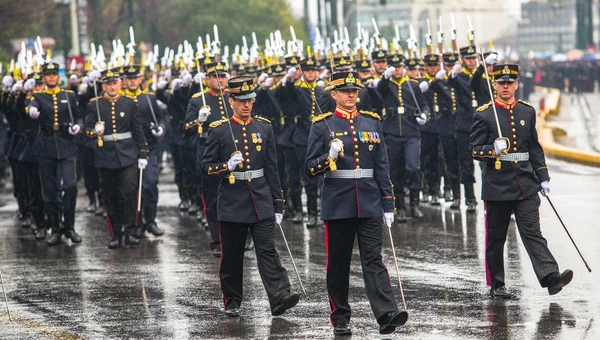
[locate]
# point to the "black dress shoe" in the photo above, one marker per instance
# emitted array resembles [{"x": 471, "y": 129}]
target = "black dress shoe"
[
  {"x": 26, "y": 222},
  {"x": 471, "y": 206},
  {"x": 312, "y": 221},
  {"x": 54, "y": 239},
  {"x": 448, "y": 195},
  {"x": 216, "y": 252},
  {"x": 115, "y": 242},
  {"x": 560, "y": 281},
  {"x": 416, "y": 212},
  {"x": 297, "y": 218},
  {"x": 154, "y": 229},
  {"x": 232, "y": 313},
  {"x": 425, "y": 198},
  {"x": 401, "y": 216},
  {"x": 184, "y": 205},
  {"x": 342, "y": 329},
  {"x": 99, "y": 211},
  {"x": 288, "y": 302},
  {"x": 435, "y": 200},
  {"x": 455, "y": 204},
  {"x": 91, "y": 208},
  {"x": 40, "y": 234},
  {"x": 193, "y": 209},
  {"x": 73, "y": 236},
  {"x": 390, "y": 320},
  {"x": 131, "y": 240},
  {"x": 501, "y": 293}
]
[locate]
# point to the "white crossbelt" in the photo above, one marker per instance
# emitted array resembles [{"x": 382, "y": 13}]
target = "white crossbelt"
[
  {"x": 350, "y": 174},
  {"x": 250, "y": 174},
  {"x": 116, "y": 136},
  {"x": 516, "y": 156}
]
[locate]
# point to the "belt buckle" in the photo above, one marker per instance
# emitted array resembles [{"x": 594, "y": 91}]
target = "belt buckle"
[
  {"x": 55, "y": 127},
  {"x": 247, "y": 175},
  {"x": 115, "y": 137},
  {"x": 357, "y": 173}
]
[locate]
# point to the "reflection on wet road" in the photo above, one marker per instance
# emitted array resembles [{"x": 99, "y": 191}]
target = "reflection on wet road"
[{"x": 168, "y": 287}]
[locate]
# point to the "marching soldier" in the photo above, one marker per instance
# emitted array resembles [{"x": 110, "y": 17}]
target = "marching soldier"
[
  {"x": 479, "y": 82},
  {"x": 114, "y": 120},
  {"x": 249, "y": 197},
  {"x": 198, "y": 119},
  {"x": 380, "y": 62},
  {"x": 405, "y": 110},
  {"x": 151, "y": 118},
  {"x": 466, "y": 103},
  {"x": 513, "y": 172},
  {"x": 56, "y": 112},
  {"x": 347, "y": 147}
]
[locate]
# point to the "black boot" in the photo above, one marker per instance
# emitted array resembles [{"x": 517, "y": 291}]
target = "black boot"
[
  {"x": 434, "y": 192},
  {"x": 414, "y": 204},
  {"x": 401, "y": 210},
  {"x": 425, "y": 198},
  {"x": 448, "y": 193},
  {"x": 456, "y": 193},
  {"x": 297, "y": 204},
  {"x": 470, "y": 198},
  {"x": 115, "y": 241},
  {"x": 184, "y": 205},
  {"x": 150, "y": 218},
  {"x": 40, "y": 233},
  {"x": 313, "y": 215},
  {"x": 130, "y": 239},
  {"x": 71, "y": 234},
  {"x": 194, "y": 207},
  {"x": 92, "y": 206},
  {"x": 53, "y": 221},
  {"x": 100, "y": 206},
  {"x": 27, "y": 221}
]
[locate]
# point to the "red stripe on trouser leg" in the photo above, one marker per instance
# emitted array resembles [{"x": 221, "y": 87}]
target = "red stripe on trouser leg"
[
  {"x": 331, "y": 303},
  {"x": 221, "y": 260},
  {"x": 488, "y": 275}
]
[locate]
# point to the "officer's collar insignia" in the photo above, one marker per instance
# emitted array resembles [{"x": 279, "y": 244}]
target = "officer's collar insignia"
[
  {"x": 350, "y": 79},
  {"x": 365, "y": 63},
  {"x": 381, "y": 54},
  {"x": 371, "y": 147},
  {"x": 245, "y": 87},
  {"x": 522, "y": 123},
  {"x": 506, "y": 70}
]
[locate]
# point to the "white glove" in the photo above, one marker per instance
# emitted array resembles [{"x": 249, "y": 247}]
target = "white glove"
[
  {"x": 157, "y": 131},
  {"x": 199, "y": 77},
  {"x": 82, "y": 89},
  {"x": 268, "y": 83},
  {"x": 34, "y": 113},
  {"x": 186, "y": 79},
  {"x": 320, "y": 83},
  {"x": 17, "y": 86},
  {"x": 291, "y": 74},
  {"x": 167, "y": 74},
  {"x": 545, "y": 188},
  {"x": 404, "y": 72},
  {"x": 203, "y": 114},
  {"x": 175, "y": 84},
  {"x": 99, "y": 127},
  {"x": 29, "y": 84},
  {"x": 262, "y": 78},
  {"x": 424, "y": 86},
  {"x": 422, "y": 119},
  {"x": 375, "y": 82},
  {"x": 278, "y": 218},
  {"x": 324, "y": 74},
  {"x": 335, "y": 148},
  {"x": 74, "y": 130},
  {"x": 388, "y": 218},
  {"x": 499, "y": 145},
  {"x": 456, "y": 70},
  {"x": 491, "y": 59},
  {"x": 389, "y": 72},
  {"x": 234, "y": 161},
  {"x": 162, "y": 84},
  {"x": 73, "y": 79},
  {"x": 85, "y": 80},
  {"x": 95, "y": 75},
  {"x": 7, "y": 81},
  {"x": 142, "y": 163},
  {"x": 441, "y": 75}
]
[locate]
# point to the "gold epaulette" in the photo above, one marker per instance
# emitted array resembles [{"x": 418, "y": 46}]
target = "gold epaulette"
[
  {"x": 263, "y": 119},
  {"x": 322, "y": 116},
  {"x": 329, "y": 87},
  {"x": 199, "y": 94},
  {"x": 370, "y": 114},
  {"x": 524, "y": 102},
  {"x": 484, "y": 107},
  {"x": 218, "y": 123}
]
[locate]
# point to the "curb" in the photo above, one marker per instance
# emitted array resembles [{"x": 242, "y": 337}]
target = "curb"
[{"x": 547, "y": 132}]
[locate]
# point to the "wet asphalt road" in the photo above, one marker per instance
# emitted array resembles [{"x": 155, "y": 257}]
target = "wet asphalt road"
[{"x": 168, "y": 287}]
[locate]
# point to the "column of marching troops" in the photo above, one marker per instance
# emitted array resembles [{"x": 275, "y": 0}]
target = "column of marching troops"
[{"x": 284, "y": 124}]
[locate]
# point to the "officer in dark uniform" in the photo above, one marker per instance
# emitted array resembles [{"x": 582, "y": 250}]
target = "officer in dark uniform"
[
  {"x": 151, "y": 117},
  {"x": 56, "y": 112},
  {"x": 198, "y": 118},
  {"x": 466, "y": 103},
  {"x": 347, "y": 147},
  {"x": 249, "y": 197},
  {"x": 479, "y": 81},
  {"x": 379, "y": 59},
  {"x": 123, "y": 150},
  {"x": 513, "y": 172},
  {"x": 402, "y": 117}
]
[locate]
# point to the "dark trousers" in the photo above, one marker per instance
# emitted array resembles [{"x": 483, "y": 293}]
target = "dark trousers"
[
  {"x": 210, "y": 187},
  {"x": 29, "y": 178},
  {"x": 429, "y": 158},
  {"x": 273, "y": 275},
  {"x": 311, "y": 183},
  {"x": 339, "y": 241},
  {"x": 297, "y": 175},
  {"x": 150, "y": 180},
  {"x": 451, "y": 166},
  {"x": 283, "y": 171},
  {"x": 119, "y": 189},
  {"x": 467, "y": 168},
  {"x": 178, "y": 165},
  {"x": 528, "y": 223},
  {"x": 404, "y": 155},
  {"x": 91, "y": 180},
  {"x": 59, "y": 187}
]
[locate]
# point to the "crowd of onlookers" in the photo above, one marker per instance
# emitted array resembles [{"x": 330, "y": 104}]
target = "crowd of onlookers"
[{"x": 568, "y": 76}]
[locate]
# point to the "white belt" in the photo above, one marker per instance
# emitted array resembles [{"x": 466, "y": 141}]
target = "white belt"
[
  {"x": 116, "y": 136},
  {"x": 350, "y": 174},
  {"x": 250, "y": 174},
  {"x": 516, "y": 156}
]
